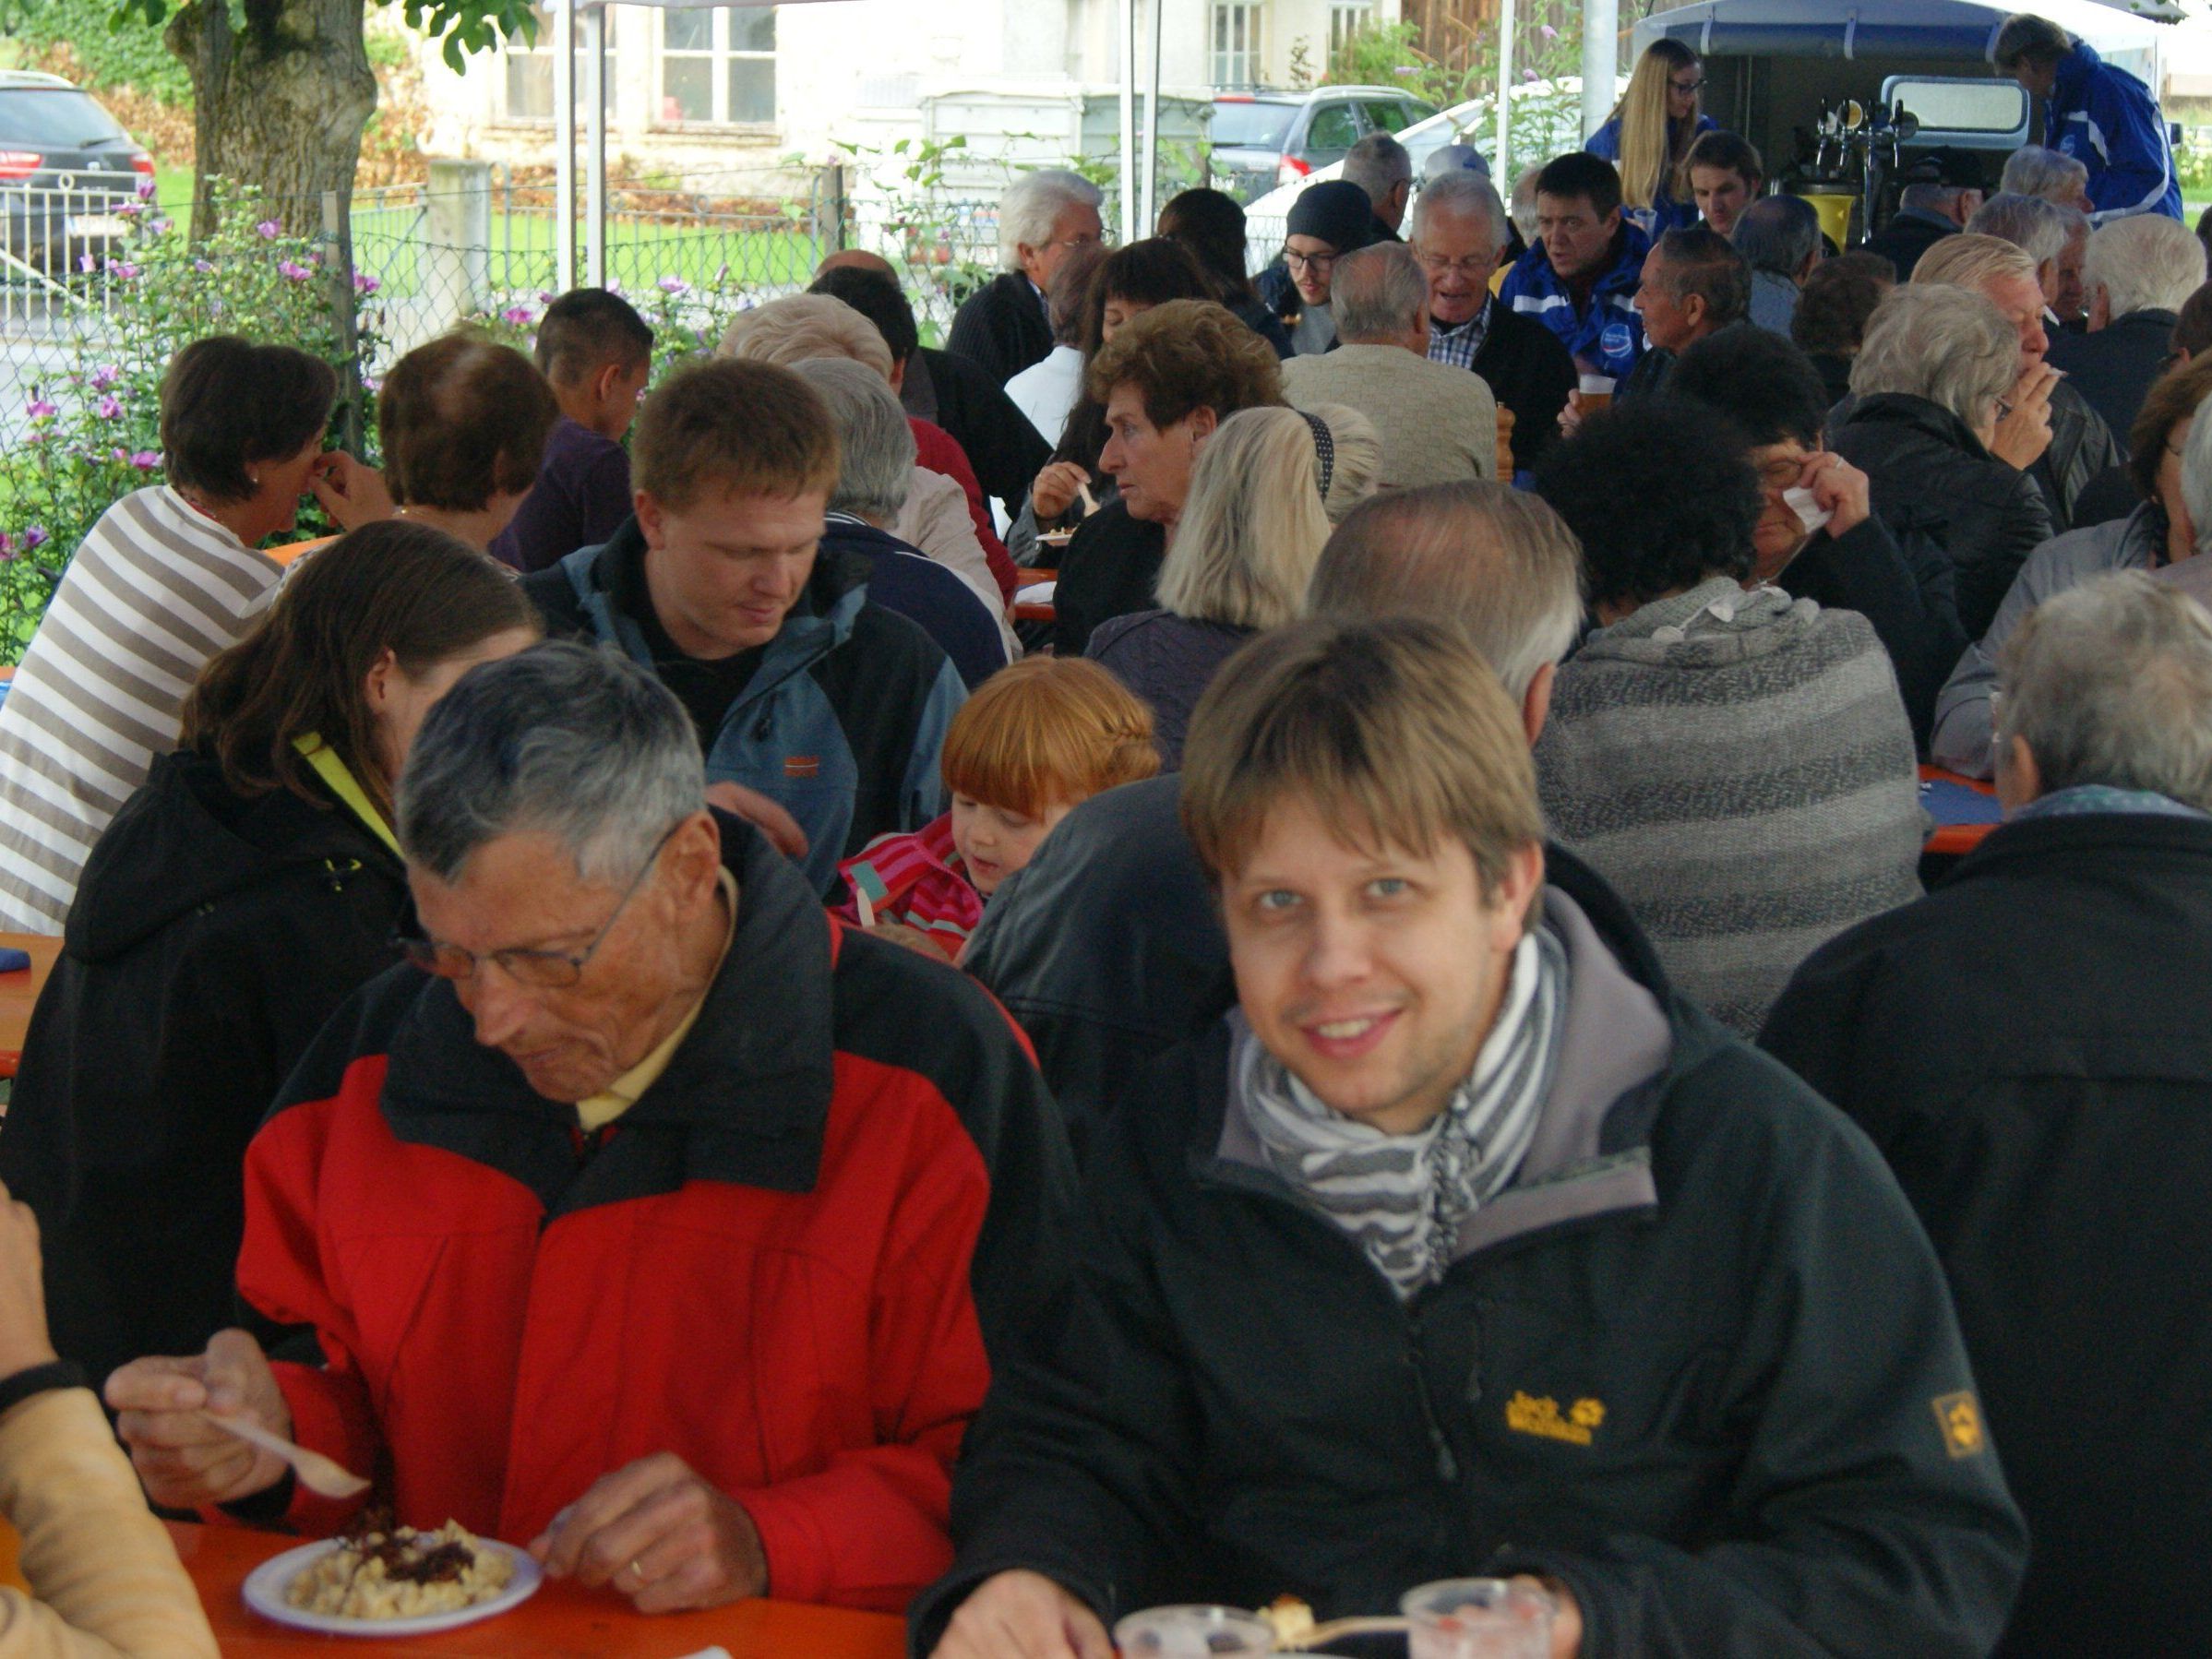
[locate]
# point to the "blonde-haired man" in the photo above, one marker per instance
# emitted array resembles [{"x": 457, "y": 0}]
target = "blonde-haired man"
[{"x": 1462, "y": 1246}]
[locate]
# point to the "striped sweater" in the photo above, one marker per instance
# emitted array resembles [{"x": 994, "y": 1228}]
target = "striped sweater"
[
  {"x": 1740, "y": 767},
  {"x": 156, "y": 590}
]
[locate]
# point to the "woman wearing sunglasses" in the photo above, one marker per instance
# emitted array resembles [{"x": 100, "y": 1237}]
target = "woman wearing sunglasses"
[
  {"x": 1649, "y": 134},
  {"x": 239, "y": 897}
]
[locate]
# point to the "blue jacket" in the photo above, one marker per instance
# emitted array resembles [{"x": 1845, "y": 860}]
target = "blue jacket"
[
  {"x": 844, "y": 720},
  {"x": 2108, "y": 121},
  {"x": 1666, "y": 214},
  {"x": 1608, "y": 335}
]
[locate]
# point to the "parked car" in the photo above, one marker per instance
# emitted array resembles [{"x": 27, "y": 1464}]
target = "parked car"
[
  {"x": 66, "y": 167},
  {"x": 1263, "y": 139}
]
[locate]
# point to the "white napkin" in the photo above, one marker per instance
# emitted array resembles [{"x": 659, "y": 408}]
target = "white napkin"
[{"x": 1810, "y": 514}]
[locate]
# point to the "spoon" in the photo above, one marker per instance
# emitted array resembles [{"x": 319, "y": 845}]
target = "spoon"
[{"x": 316, "y": 1472}]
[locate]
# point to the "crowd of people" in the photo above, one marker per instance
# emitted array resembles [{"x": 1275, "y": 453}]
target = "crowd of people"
[{"x": 1408, "y": 1032}]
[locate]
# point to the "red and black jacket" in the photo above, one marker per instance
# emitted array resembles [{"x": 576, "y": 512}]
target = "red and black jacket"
[{"x": 785, "y": 1264}]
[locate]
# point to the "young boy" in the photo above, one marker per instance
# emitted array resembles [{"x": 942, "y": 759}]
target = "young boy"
[{"x": 597, "y": 352}]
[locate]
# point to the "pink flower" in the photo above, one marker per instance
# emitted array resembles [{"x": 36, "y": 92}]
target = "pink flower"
[
  {"x": 129, "y": 210},
  {"x": 159, "y": 226},
  {"x": 1547, "y": 30},
  {"x": 87, "y": 264},
  {"x": 107, "y": 409},
  {"x": 38, "y": 409},
  {"x": 268, "y": 229},
  {"x": 146, "y": 190},
  {"x": 520, "y": 316},
  {"x": 203, "y": 267},
  {"x": 105, "y": 375},
  {"x": 673, "y": 285},
  {"x": 122, "y": 270},
  {"x": 146, "y": 461},
  {"x": 1528, "y": 75},
  {"x": 35, "y": 536},
  {"x": 365, "y": 286},
  {"x": 297, "y": 273}
]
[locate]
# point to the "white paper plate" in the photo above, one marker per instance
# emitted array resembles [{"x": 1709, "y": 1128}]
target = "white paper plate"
[{"x": 265, "y": 1588}]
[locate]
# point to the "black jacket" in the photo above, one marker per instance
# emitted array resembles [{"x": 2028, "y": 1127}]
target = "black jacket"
[
  {"x": 1001, "y": 328},
  {"x": 210, "y": 938},
  {"x": 2113, "y": 368},
  {"x": 1529, "y": 372},
  {"x": 1930, "y": 474},
  {"x": 1695, "y": 1362},
  {"x": 1907, "y": 591},
  {"x": 960, "y": 395},
  {"x": 2029, "y": 1046},
  {"x": 1107, "y": 569},
  {"x": 902, "y": 577},
  {"x": 2082, "y": 449},
  {"x": 1905, "y": 237}
]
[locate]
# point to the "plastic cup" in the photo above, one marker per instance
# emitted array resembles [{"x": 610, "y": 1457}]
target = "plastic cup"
[
  {"x": 1595, "y": 393},
  {"x": 1477, "y": 1619},
  {"x": 1192, "y": 1632}
]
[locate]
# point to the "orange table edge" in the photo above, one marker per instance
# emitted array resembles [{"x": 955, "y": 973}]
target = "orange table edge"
[
  {"x": 561, "y": 1621},
  {"x": 19, "y": 992}
]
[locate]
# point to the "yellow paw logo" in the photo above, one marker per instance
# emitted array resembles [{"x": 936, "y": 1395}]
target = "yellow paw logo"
[
  {"x": 1960, "y": 1418},
  {"x": 1540, "y": 1414}
]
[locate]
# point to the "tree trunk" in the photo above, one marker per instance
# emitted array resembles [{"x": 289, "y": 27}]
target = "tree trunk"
[{"x": 282, "y": 90}]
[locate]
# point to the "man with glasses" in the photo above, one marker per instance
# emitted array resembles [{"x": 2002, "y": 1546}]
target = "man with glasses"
[
  {"x": 1004, "y": 325},
  {"x": 1459, "y": 228},
  {"x": 646, "y": 1217}
]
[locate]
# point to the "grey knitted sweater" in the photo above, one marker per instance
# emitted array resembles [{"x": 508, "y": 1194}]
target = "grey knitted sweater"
[{"x": 1740, "y": 767}]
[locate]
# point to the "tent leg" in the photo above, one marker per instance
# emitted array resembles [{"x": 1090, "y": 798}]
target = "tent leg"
[
  {"x": 1501, "y": 168},
  {"x": 1601, "y": 61},
  {"x": 595, "y": 146},
  {"x": 1128, "y": 121},
  {"x": 1150, "y": 215},
  {"x": 564, "y": 142}
]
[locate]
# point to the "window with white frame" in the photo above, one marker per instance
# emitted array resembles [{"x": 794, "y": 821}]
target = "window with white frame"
[
  {"x": 1345, "y": 22},
  {"x": 529, "y": 88},
  {"x": 718, "y": 66},
  {"x": 1235, "y": 56}
]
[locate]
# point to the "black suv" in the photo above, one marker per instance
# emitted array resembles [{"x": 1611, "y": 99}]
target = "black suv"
[
  {"x": 65, "y": 166},
  {"x": 1263, "y": 139}
]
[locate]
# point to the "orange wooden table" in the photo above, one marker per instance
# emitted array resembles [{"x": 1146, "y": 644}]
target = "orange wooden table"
[
  {"x": 1953, "y": 838},
  {"x": 19, "y": 992},
  {"x": 560, "y": 1622},
  {"x": 1035, "y": 610}
]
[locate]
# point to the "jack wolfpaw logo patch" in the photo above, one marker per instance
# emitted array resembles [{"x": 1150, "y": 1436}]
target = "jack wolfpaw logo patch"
[
  {"x": 1540, "y": 1416},
  {"x": 1960, "y": 1418}
]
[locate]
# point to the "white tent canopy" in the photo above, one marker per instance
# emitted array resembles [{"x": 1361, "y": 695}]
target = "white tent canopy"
[{"x": 1134, "y": 210}]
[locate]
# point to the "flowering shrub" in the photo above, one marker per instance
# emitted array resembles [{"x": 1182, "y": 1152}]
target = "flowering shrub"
[
  {"x": 92, "y": 433},
  {"x": 687, "y": 317}
]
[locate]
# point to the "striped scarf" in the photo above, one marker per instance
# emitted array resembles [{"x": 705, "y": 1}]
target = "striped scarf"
[{"x": 1405, "y": 1198}]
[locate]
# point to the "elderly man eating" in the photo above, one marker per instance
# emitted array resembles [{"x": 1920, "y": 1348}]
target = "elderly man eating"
[{"x": 644, "y": 1215}]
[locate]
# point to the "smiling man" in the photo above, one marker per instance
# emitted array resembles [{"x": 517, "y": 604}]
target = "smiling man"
[
  {"x": 1463, "y": 1245},
  {"x": 645, "y": 1216},
  {"x": 819, "y": 711}
]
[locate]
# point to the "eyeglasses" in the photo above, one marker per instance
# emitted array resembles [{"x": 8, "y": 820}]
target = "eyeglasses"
[
  {"x": 1780, "y": 475},
  {"x": 1313, "y": 262},
  {"x": 1076, "y": 242},
  {"x": 1687, "y": 87},
  {"x": 1473, "y": 267},
  {"x": 544, "y": 970}
]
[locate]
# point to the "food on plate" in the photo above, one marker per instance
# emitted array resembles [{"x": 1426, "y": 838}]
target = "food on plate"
[
  {"x": 1290, "y": 1617},
  {"x": 381, "y": 1570}
]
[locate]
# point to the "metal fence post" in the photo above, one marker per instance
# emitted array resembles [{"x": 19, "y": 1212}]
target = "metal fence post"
[
  {"x": 337, "y": 259},
  {"x": 839, "y": 207},
  {"x": 457, "y": 264}
]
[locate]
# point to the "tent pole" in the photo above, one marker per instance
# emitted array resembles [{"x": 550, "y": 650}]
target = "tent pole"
[
  {"x": 1601, "y": 61},
  {"x": 1152, "y": 123},
  {"x": 595, "y": 146},
  {"x": 564, "y": 143},
  {"x": 1128, "y": 121},
  {"x": 1500, "y": 169}
]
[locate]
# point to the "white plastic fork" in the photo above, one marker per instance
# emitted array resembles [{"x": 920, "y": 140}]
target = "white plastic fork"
[{"x": 316, "y": 1472}]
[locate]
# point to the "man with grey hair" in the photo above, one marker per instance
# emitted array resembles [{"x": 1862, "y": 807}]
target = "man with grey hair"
[
  {"x": 643, "y": 1214},
  {"x": 2139, "y": 273},
  {"x": 1779, "y": 238},
  {"x": 1438, "y": 425},
  {"x": 875, "y": 455},
  {"x": 2055, "y": 237},
  {"x": 1004, "y": 326},
  {"x": 2026, "y": 1046},
  {"x": 1459, "y": 229},
  {"x": 1379, "y": 165},
  {"x": 1107, "y": 946},
  {"x": 2033, "y": 171}
]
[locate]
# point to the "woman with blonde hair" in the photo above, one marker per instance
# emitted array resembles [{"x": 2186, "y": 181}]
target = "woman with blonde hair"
[
  {"x": 1649, "y": 134},
  {"x": 1267, "y": 490}
]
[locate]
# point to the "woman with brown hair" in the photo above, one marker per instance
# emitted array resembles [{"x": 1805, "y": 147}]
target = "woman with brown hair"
[{"x": 239, "y": 897}]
